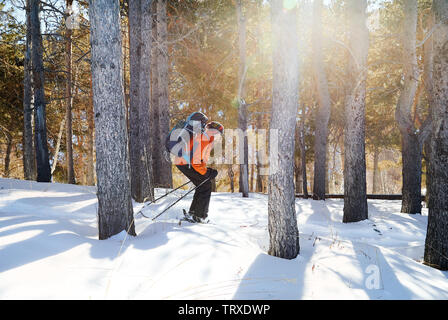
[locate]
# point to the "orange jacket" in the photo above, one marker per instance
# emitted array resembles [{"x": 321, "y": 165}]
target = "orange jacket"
[{"x": 202, "y": 146}]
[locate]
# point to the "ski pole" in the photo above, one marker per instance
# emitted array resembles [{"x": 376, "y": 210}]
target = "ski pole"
[
  {"x": 170, "y": 192},
  {"x": 189, "y": 191},
  {"x": 149, "y": 202}
]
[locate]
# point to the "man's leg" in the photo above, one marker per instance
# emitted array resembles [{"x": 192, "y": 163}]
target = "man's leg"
[{"x": 201, "y": 199}]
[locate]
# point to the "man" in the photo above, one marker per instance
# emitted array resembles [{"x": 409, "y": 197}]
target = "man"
[{"x": 194, "y": 164}]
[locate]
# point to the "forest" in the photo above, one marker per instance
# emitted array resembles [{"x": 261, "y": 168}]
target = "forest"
[{"x": 319, "y": 100}]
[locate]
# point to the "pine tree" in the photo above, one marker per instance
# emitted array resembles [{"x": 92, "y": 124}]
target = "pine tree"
[
  {"x": 68, "y": 97},
  {"x": 323, "y": 109},
  {"x": 140, "y": 31},
  {"x": 436, "y": 244},
  {"x": 40, "y": 124},
  {"x": 412, "y": 137},
  {"x": 165, "y": 167},
  {"x": 29, "y": 154},
  {"x": 242, "y": 106},
  {"x": 282, "y": 222},
  {"x": 355, "y": 197},
  {"x": 115, "y": 212}
]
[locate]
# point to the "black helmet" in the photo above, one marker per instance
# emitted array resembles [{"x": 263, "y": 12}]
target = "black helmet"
[{"x": 198, "y": 116}]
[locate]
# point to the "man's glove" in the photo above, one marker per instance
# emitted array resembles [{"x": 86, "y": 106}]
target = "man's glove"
[{"x": 211, "y": 173}]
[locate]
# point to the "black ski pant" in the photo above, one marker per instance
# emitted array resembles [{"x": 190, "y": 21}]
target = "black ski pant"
[{"x": 201, "y": 197}]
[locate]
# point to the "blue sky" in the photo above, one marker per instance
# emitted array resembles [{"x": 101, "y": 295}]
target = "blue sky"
[{"x": 20, "y": 14}]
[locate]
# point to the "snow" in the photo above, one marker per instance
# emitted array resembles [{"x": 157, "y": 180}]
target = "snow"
[{"x": 49, "y": 249}]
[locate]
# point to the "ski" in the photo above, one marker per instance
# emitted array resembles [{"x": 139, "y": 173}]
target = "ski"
[
  {"x": 187, "y": 218},
  {"x": 188, "y": 192},
  {"x": 147, "y": 203}
]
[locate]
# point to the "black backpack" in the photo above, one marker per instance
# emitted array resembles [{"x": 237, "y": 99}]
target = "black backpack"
[{"x": 179, "y": 140}]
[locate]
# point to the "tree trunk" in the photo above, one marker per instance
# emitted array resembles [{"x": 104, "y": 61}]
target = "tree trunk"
[
  {"x": 261, "y": 93},
  {"x": 259, "y": 182},
  {"x": 69, "y": 101},
  {"x": 231, "y": 176},
  {"x": 303, "y": 153},
  {"x": 165, "y": 168},
  {"x": 412, "y": 174},
  {"x": 155, "y": 113},
  {"x": 304, "y": 178},
  {"x": 126, "y": 54},
  {"x": 327, "y": 176},
  {"x": 298, "y": 163},
  {"x": 58, "y": 145},
  {"x": 259, "y": 186},
  {"x": 323, "y": 110},
  {"x": 436, "y": 244},
  {"x": 428, "y": 80},
  {"x": 115, "y": 212},
  {"x": 411, "y": 145},
  {"x": 145, "y": 100},
  {"x": 355, "y": 197},
  {"x": 427, "y": 151},
  {"x": 140, "y": 27},
  {"x": 90, "y": 176},
  {"x": 7, "y": 153},
  {"x": 333, "y": 177},
  {"x": 428, "y": 50},
  {"x": 242, "y": 109},
  {"x": 29, "y": 155},
  {"x": 282, "y": 222},
  {"x": 252, "y": 178},
  {"x": 375, "y": 184},
  {"x": 298, "y": 175},
  {"x": 40, "y": 138},
  {"x": 135, "y": 52}
]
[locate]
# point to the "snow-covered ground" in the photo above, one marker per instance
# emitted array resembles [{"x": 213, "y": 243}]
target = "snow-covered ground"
[{"x": 49, "y": 250}]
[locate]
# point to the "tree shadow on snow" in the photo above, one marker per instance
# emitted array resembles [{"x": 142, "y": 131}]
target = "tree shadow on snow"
[
  {"x": 368, "y": 272},
  {"x": 42, "y": 238},
  {"x": 270, "y": 278},
  {"x": 53, "y": 233},
  {"x": 416, "y": 281}
]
